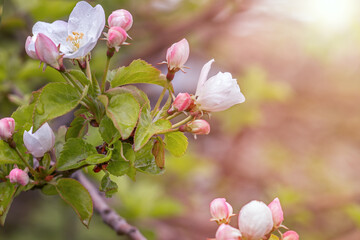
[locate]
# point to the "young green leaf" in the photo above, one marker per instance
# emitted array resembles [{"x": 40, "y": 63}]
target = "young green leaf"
[
  {"x": 123, "y": 110},
  {"x": 159, "y": 152},
  {"x": 8, "y": 155},
  {"x": 78, "y": 128},
  {"x": 108, "y": 131},
  {"x": 138, "y": 71},
  {"x": 74, "y": 153},
  {"x": 108, "y": 186},
  {"x": 147, "y": 128},
  {"x": 176, "y": 143},
  {"x": 7, "y": 192},
  {"x": 76, "y": 195},
  {"x": 55, "y": 100},
  {"x": 98, "y": 158},
  {"x": 139, "y": 95},
  {"x": 122, "y": 158},
  {"x": 145, "y": 160}
]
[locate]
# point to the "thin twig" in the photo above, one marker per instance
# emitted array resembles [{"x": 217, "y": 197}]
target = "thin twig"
[{"x": 109, "y": 216}]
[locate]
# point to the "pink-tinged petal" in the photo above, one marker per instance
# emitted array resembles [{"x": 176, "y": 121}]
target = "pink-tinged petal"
[
  {"x": 116, "y": 37},
  {"x": 226, "y": 232},
  {"x": 203, "y": 75},
  {"x": 7, "y": 128},
  {"x": 30, "y": 47},
  {"x": 290, "y": 235},
  {"x": 121, "y": 18},
  {"x": 47, "y": 51},
  {"x": 198, "y": 127},
  {"x": 18, "y": 176},
  {"x": 181, "y": 103},
  {"x": 255, "y": 220},
  {"x": 277, "y": 212},
  {"x": 56, "y": 31},
  {"x": 177, "y": 55}
]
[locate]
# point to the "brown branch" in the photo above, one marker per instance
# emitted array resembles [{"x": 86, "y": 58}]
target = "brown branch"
[{"x": 109, "y": 216}]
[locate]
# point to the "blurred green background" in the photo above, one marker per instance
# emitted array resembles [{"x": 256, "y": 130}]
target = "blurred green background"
[{"x": 296, "y": 137}]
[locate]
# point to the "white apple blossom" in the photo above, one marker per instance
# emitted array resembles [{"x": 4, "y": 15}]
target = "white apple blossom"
[
  {"x": 40, "y": 142},
  {"x": 217, "y": 93},
  {"x": 77, "y": 37},
  {"x": 255, "y": 220}
]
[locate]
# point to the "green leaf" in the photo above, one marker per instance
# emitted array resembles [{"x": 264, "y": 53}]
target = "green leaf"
[
  {"x": 23, "y": 116},
  {"x": 139, "y": 95},
  {"x": 78, "y": 128},
  {"x": 74, "y": 153},
  {"x": 146, "y": 128},
  {"x": 93, "y": 136},
  {"x": 49, "y": 190},
  {"x": 123, "y": 110},
  {"x": 98, "y": 158},
  {"x": 80, "y": 76},
  {"x": 138, "y": 71},
  {"x": 108, "y": 131},
  {"x": 60, "y": 140},
  {"x": 7, "y": 192},
  {"x": 176, "y": 143},
  {"x": 55, "y": 100},
  {"x": 122, "y": 158},
  {"x": 76, "y": 195},
  {"x": 145, "y": 160},
  {"x": 108, "y": 186},
  {"x": 8, "y": 155},
  {"x": 159, "y": 152}
]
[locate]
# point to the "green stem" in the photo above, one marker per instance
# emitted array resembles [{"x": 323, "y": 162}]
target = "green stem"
[
  {"x": 103, "y": 81},
  {"x": 93, "y": 81},
  {"x": 157, "y": 105},
  {"x": 173, "y": 115},
  {"x": 70, "y": 80},
  {"x": 187, "y": 119},
  {"x": 31, "y": 169}
]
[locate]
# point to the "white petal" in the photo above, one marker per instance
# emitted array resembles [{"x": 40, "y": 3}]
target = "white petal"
[
  {"x": 56, "y": 31},
  {"x": 45, "y": 136},
  {"x": 203, "y": 75},
  {"x": 32, "y": 144}
]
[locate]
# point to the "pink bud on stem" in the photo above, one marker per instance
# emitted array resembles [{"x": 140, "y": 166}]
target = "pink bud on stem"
[
  {"x": 48, "y": 52},
  {"x": 7, "y": 127},
  {"x": 181, "y": 103},
  {"x": 198, "y": 126},
  {"x": 221, "y": 211},
  {"x": 120, "y": 18},
  {"x": 277, "y": 212},
  {"x": 116, "y": 36},
  {"x": 290, "y": 235},
  {"x": 18, "y": 176},
  {"x": 226, "y": 232},
  {"x": 177, "y": 55}
]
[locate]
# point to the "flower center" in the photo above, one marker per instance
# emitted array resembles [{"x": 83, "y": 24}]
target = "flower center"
[{"x": 75, "y": 40}]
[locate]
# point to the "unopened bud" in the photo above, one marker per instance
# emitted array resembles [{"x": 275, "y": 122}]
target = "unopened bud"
[
  {"x": 226, "y": 232},
  {"x": 120, "y": 18},
  {"x": 181, "y": 103},
  {"x": 255, "y": 220},
  {"x": 7, "y": 127},
  {"x": 290, "y": 235},
  {"x": 116, "y": 36},
  {"x": 177, "y": 55},
  {"x": 19, "y": 176},
  {"x": 47, "y": 52},
  {"x": 198, "y": 126},
  {"x": 221, "y": 211},
  {"x": 277, "y": 212}
]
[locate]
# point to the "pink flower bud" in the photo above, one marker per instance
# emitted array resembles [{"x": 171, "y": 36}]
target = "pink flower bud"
[
  {"x": 19, "y": 176},
  {"x": 226, "y": 232},
  {"x": 177, "y": 55},
  {"x": 290, "y": 235},
  {"x": 198, "y": 126},
  {"x": 30, "y": 47},
  {"x": 255, "y": 220},
  {"x": 116, "y": 36},
  {"x": 40, "y": 142},
  {"x": 120, "y": 18},
  {"x": 181, "y": 103},
  {"x": 47, "y": 51},
  {"x": 7, "y": 127},
  {"x": 277, "y": 212},
  {"x": 221, "y": 211}
]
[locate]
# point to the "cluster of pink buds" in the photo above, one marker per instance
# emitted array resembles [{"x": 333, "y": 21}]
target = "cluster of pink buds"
[
  {"x": 120, "y": 21},
  {"x": 256, "y": 221}
]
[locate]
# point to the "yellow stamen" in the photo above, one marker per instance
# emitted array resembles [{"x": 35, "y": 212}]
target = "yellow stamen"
[{"x": 75, "y": 39}]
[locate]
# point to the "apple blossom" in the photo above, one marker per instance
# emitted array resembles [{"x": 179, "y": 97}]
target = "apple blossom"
[
  {"x": 18, "y": 176},
  {"x": 116, "y": 36},
  {"x": 77, "y": 37},
  {"x": 277, "y": 212},
  {"x": 198, "y": 126},
  {"x": 7, "y": 127},
  {"x": 40, "y": 142},
  {"x": 226, "y": 232},
  {"x": 47, "y": 52},
  {"x": 181, "y": 103},
  {"x": 120, "y": 18},
  {"x": 177, "y": 55},
  {"x": 255, "y": 220},
  {"x": 290, "y": 235},
  {"x": 221, "y": 211},
  {"x": 217, "y": 93}
]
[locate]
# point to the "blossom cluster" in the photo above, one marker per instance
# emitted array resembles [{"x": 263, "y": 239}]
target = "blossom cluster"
[{"x": 256, "y": 221}]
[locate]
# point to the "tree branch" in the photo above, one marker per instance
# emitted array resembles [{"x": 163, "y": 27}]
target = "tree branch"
[{"x": 109, "y": 216}]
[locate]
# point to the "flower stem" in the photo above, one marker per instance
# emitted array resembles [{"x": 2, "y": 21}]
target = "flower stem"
[
  {"x": 103, "y": 81},
  {"x": 182, "y": 122},
  {"x": 173, "y": 115},
  {"x": 31, "y": 169},
  {"x": 93, "y": 81},
  {"x": 157, "y": 105}
]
